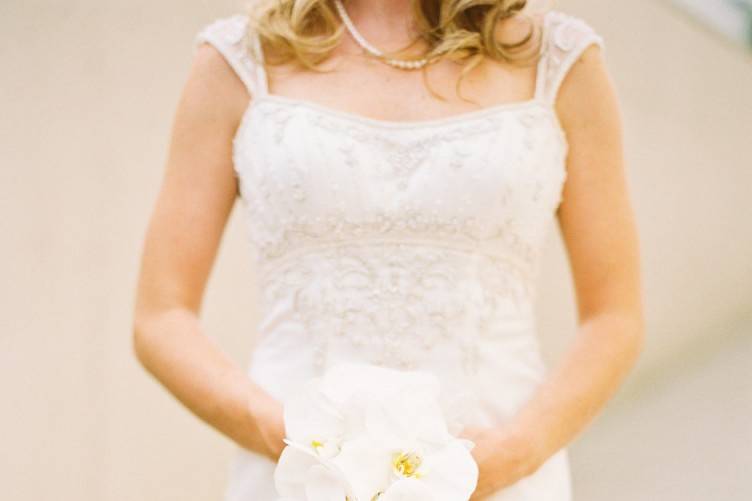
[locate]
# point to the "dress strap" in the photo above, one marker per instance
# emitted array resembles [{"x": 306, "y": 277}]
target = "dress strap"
[
  {"x": 565, "y": 38},
  {"x": 241, "y": 48}
]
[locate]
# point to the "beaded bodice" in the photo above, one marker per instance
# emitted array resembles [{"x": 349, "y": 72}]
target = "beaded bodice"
[{"x": 402, "y": 243}]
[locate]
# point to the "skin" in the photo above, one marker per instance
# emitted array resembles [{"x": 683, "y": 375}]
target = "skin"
[
  {"x": 195, "y": 200},
  {"x": 598, "y": 228},
  {"x": 198, "y": 193}
]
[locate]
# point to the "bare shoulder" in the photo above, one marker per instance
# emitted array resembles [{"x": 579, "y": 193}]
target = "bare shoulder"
[
  {"x": 587, "y": 94},
  {"x": 212, "y": 90}
]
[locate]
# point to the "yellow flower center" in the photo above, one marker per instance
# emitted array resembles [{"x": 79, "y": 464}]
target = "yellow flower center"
[{"x": 407, "y": 464}]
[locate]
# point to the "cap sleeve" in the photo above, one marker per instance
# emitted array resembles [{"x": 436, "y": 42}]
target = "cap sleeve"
[
  {"x": 240, "y": 48},
  {"x": 567, "y": 37}
]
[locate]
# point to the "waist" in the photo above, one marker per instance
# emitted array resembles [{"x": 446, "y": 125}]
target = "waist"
[
  {"x": 485, "y": 377},
  {"x": 397, "y": 304},
  {"x": 382, "y": 271}
]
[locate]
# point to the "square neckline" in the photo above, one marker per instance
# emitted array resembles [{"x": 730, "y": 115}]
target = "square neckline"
[
  {"x": 268, "y": 97},
  {"x": 453, "y": 119}
]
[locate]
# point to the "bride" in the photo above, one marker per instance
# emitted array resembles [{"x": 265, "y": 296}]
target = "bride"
[{"x": 399, "y": 164}]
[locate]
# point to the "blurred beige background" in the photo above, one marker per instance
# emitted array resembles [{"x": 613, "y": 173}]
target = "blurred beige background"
[{"x": 87, "y": 92}]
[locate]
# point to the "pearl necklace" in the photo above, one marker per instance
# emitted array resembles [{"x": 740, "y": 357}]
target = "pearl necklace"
[{"x": 398, "y": 63}]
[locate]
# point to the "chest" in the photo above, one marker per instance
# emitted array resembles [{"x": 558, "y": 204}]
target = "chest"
[
  {"x": 372, "y": 89},
  {"x": 310, "y": 174}
]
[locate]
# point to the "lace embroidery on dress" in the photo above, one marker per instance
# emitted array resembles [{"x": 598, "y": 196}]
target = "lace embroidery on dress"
[
  {"x": 387, "y": 280},
  {"x": 568, "y": 37},
  {"x": 409, "y": 245},
  {"x": 403, "y": 159},
  {"x": 398, "y": 301},
  {"x": 410, "y": 271}
]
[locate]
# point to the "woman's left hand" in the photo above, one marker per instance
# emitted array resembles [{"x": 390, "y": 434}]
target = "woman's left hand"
[{"x": 503, "y": 458}]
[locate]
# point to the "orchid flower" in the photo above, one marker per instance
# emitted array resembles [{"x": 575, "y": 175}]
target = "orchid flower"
[{"x": 368, "y": 433}]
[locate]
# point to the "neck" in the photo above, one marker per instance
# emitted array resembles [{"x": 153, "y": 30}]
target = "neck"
[
  {"x": 394, "y": 9},
  {"x": 387, "y": 24}
]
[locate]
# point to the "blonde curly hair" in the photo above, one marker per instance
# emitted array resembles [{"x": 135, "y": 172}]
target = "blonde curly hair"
[{"x": 307, "y": 31}]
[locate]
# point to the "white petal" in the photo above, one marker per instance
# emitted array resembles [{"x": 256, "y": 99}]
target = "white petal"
[
  {"x": 385, "y": 425},
  {"x": 291, "y": 471},
  {"x": 469, "y": 444},
  {"x": 309, "y": 415},
  {"x": 324, "y": 484},
  {"x": 299, "y": 470},
  {"x": 367, "y": 466},
  {"x": 401, "y": 420},
  {"x": 451, "y": 473},
  {"x": 408, "y": 489}
]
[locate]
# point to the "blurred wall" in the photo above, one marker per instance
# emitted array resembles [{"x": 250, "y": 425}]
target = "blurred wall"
[{"x": 87, "y": 92}]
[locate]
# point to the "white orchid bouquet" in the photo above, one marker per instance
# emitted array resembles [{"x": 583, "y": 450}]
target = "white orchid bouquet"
[{"x": 368, "y": 433}]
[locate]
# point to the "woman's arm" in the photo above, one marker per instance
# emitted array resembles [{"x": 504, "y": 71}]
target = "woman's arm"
[
  {"x": 600, "y": 235},
  {"x": 599, "y": 231},
  {"x": 196, "y": 198}
]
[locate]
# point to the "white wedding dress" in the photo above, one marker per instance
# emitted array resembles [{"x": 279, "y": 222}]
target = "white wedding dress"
[{"x": 410, "y": 244}]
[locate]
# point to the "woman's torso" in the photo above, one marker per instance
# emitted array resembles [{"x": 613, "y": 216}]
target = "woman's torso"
[{"x": 412, "y": 243}]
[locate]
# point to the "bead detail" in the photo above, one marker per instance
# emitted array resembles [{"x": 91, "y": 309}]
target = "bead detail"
[
  {"x": 385, "y": 279},
  {"x": 397, "y": 303},
  {"x": 398, "y": 243}
]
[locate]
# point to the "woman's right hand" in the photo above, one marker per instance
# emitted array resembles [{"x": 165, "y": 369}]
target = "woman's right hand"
[{"x": 271, "y": 426}]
